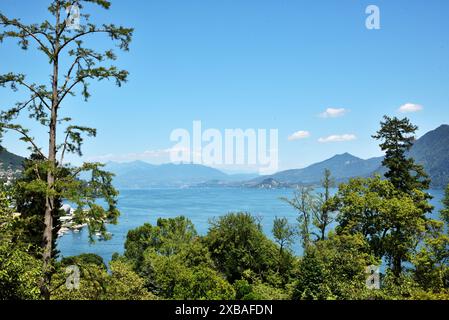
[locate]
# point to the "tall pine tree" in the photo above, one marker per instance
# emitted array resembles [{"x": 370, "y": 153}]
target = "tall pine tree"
[
  {"x": 397, "y": 137},
  {"x": 72, "y": 65}
]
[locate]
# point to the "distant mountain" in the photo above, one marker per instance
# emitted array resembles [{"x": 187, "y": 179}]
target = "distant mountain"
[
  {"x": 129, "y": 168},
  {"x": 342, "y": 166},
  {"x": 9, "y": 160},
  {"x": 139, "y": 174},
  {"x": 431, "y": 150}
]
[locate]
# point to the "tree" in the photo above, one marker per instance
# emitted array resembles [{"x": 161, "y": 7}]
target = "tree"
[
  {"x": 397, "y": 138},
  {"x": 168, "y": 237},
  {"x": 95, "y": 283},
  {"x": 236, "y": 244},
  {"x": 334, "y": 269},
  {"x": 85, "y": 258},
  {"x": 252, "y": 288},
  {"x": 306, "y": 203},
  {"x": 431, "y": 262},
  {"x": 391, "y": 221},
  {"x": 125, "y": 284},
  {"x": 185, "y": 273},
  {"x": 19, "y": 270},
  {"x": 20, "y": 273},
  {"x": 322, "y": 218},
  {"x": 405, "y": 288},
  {"x": 445, "y": 211},
  {"x": 6, "y": 214},
  {"x": 59, "y": 43},
  {"x": 283, "y": 234},
  {"x": 202, "y": 283},
  {"x": 31, "y": 204},
  {"x": 91, "y": 286}
]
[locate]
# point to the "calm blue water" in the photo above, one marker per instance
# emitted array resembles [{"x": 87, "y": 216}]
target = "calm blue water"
[{"x": 199, "y": 205}]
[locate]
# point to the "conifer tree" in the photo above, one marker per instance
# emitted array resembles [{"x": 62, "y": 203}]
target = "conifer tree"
[
  {"x": 73, "y": 65},
  {"x": 397, "y": 137}
]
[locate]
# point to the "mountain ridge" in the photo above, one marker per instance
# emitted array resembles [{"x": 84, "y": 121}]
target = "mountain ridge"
[
  {"x": 431, "y": 150},
  {"x": 139, "y": 174},
  {"x": 9, "y": 160}
]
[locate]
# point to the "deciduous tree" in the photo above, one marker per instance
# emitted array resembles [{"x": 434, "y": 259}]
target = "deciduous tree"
[
  {"x": 236, "y": 243},
  {"x": 284, "y": 235},
  {"x": 306, "y": 203},
  {"x": 390, "y": 220},
  {"x": 323, "y": 217}
]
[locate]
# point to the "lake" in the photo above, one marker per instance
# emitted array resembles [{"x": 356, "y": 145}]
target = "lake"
[{"x": 198, "y": 204}]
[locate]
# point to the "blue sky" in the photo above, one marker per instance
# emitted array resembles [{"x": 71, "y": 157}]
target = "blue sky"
[{"x": 254, "y": 64}]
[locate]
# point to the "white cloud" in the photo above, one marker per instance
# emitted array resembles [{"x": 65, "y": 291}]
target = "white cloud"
[
  {"x": 299, "y": 135},
  {"x": 410, "y": 107},
  {"x": 338, "y": 138},
  {"x": 333, "y": 113}
]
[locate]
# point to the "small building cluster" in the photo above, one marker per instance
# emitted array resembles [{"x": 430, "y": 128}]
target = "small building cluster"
[
  {"x": 68, "y": 222},
  {"x": 8, "y": 175}
]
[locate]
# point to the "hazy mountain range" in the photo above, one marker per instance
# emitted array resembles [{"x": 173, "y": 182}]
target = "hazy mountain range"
[
  {"x": 139, "y": 174},
  {"x": 431, "y": 150}
]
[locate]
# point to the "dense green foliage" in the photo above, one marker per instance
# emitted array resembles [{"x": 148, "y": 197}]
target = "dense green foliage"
[
  {"x": 19, "y": 273},
  {"x": 235, "y": 260},
  {"x": 168, "y": 237},
  {"x": 391, "y": 221},
  {"x": 237, "y": 244},
  {"x": 334, "y": 269},
  {"x": 30, "y": 203},
  {"x": 122, "y": 283},
  {"x": 174, "y": 262}
]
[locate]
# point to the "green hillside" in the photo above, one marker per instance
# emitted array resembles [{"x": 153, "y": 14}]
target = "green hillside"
[
  {"x": 9, "y": 160},
  {"x": 432, "y": 151}
]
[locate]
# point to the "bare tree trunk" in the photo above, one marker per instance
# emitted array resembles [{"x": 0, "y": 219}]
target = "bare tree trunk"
[
  {"x": 397, "y": 260},
  {"x": 397, "y": 266},
  {"x": 49, "y": 203},
  {"x": 47, "y": 242}
]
